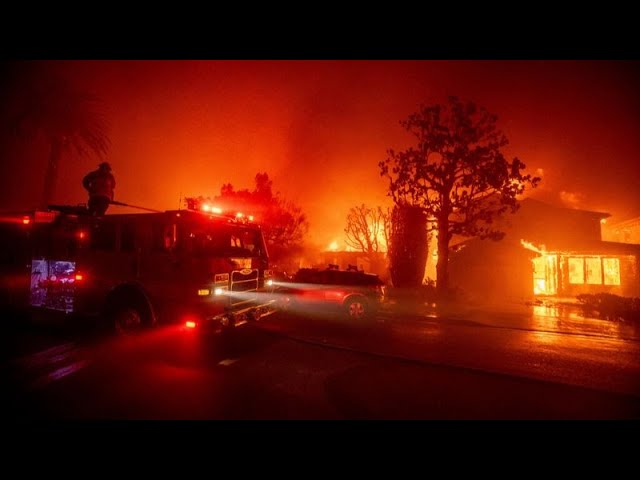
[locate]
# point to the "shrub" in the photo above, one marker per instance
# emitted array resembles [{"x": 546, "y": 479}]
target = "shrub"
[{"x": 611, "y": 307}]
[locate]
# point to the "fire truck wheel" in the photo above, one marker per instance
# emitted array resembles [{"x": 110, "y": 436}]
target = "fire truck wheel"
[
  {"x": 127, "y": 310},
  {"x": 126, "y": 320}
]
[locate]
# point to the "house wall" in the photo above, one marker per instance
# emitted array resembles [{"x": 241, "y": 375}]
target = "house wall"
[
  {"x": 489, "y": 271},
  {"x": 535, "y": 221}
]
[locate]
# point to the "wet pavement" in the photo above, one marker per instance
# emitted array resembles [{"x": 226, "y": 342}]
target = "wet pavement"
[
  {"x": 428, "y": 365},
  {"x": 563, "y": 318}
]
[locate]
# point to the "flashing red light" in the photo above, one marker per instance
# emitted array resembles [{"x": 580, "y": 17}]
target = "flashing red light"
[
  {"x": 26, "y": 220},
  {"x": 79, "y": 277},
  {"x": 190, "y": 324}
]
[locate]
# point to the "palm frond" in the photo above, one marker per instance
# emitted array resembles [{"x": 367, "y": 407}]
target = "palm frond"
[{"x": 52, "y": 107}]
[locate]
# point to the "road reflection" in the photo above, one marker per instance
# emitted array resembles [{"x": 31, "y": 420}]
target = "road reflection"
[{"x": 571, "y": 319}]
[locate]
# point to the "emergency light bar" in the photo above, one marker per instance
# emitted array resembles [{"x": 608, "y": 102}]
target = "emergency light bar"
[
  {"x": 238, "y": 216},
  {"x": 210, "y": 208}
]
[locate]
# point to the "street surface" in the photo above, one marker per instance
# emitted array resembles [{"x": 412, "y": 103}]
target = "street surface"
[{"x": 518, "y": 363}]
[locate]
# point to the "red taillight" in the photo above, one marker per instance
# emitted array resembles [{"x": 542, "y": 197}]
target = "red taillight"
[
  {"x": 26, "y": 220},
  {"x": 79, "y": 277},
  {"x": 81, "y": 235},
  {"x": 190, "y": 324}
]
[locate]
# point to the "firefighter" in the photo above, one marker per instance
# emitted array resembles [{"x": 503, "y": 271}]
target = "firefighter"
[{"x": 100, "y": 184}]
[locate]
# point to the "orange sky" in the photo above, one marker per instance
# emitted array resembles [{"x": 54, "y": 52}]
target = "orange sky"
[{"x": 319, "y": 129}]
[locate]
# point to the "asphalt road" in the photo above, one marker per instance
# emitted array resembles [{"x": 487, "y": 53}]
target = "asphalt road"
[{"x": 400, "y": 366}]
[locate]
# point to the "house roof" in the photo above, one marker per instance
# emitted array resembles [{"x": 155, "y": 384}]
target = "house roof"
[
  {"x": 543, "y": 205},
  {"x": 590, "y": 248},
  {"x": 557, "y": 247}
]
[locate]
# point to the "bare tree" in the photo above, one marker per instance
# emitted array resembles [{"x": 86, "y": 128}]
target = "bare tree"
[{"x": 367, "y": 229}]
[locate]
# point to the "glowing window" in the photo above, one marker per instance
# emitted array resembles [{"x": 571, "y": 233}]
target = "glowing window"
[
  {"x": 594, "y": 270},
  {"x": 576, "y": 270},
  {"x": 539, "y": 286},
  {"x": 611, "y": 271}
]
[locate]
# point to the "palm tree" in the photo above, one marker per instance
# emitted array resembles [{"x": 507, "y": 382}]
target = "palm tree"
[{"x": 46, "y": 105}]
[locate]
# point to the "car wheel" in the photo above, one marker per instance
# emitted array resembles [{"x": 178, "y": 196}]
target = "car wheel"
[{"x": 357, "y": 308}]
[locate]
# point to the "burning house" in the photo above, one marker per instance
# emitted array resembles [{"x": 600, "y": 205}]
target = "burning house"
[{"x": 547, "y": 251}]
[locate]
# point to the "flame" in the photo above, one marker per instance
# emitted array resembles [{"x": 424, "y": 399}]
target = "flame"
[
  {"x": 532, "y": 247},
  {"x": 333, "y": 246}
]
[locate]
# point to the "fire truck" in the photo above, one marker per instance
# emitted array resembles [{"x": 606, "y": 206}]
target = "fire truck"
[{"x": 202, "y": 268}]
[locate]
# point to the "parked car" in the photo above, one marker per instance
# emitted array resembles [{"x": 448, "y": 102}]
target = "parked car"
[{"x": 355, "y": 293}]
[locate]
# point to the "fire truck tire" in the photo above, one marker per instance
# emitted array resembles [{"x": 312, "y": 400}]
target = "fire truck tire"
[
  {"x": 127, "y": 312},
  {"x": 126, "y": 320}
]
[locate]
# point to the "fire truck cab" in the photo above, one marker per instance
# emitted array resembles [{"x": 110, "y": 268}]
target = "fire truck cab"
[{"x": 135, "y": 270}]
